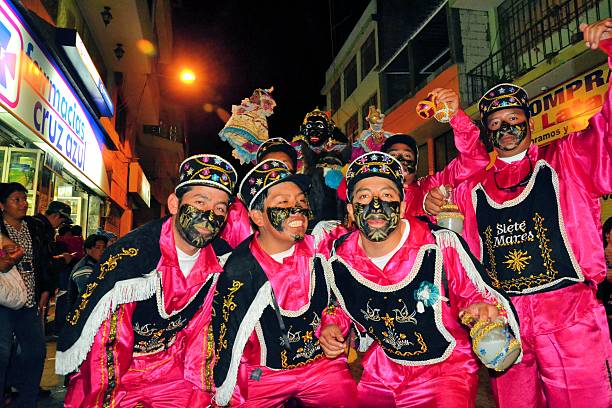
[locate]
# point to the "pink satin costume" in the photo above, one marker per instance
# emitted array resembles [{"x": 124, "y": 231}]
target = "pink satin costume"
[
  {"x": 450, "y": 383},
  {"x": 566, "y": 343},
  {"x": 178, "y": 376},
  {"x": 238, "y": 225},
  {"x": 321, "y": 383}
]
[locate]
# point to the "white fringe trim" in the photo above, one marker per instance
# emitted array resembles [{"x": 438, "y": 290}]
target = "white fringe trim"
[
  {"x": 127, "y": 291},
  {"x": 251, "y": 318},
  {"x": 447, "y": 239}
]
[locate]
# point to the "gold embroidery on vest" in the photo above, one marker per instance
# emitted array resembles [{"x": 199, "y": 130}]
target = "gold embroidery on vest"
[
  {"x": 517, "y": 261},
  {"x": 112, "y": 261}
]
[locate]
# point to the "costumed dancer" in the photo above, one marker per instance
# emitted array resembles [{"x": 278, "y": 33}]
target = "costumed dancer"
[
  {"x": 472, "y": 155},
  {"x": 140, "y": 333},
  {"x": 404, "y": 287},
  {"x": 372, "y": 138},
  {"x": 534, "y": 220},
  {"x": 326, "y": 151},
  {"x": 238, "y": 227},
  {"x": 270, "y": 299}
]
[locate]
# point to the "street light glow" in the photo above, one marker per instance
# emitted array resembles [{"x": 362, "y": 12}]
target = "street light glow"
[{"x": 187, "y": 76}]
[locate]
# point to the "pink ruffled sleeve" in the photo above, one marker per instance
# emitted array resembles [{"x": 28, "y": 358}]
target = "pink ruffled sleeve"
[
  {"x": 334, "y": 315},
  {"x": 106, "y": 363},
  {"x": 587, "y": 155},
  {"x": 463, "y": 293},
  {"x": 472, "y": 157},
  {"x": 238, "y": 225}
]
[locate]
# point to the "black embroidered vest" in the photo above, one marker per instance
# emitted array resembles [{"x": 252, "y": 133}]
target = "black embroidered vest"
[
  {"x": 389, "y": 313},
  {"x": 524, "y": 246},
  {"x": 154, "y": 333},
  {"x": 301, "y": 325}
]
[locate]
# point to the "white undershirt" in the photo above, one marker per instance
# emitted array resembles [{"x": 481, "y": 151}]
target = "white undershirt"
[
  {"x": 381, "y": 261},
  {"x": 186, "y": 261},
  {"x": 515, "y": 158},
  {"x": 279, "y": 256}
]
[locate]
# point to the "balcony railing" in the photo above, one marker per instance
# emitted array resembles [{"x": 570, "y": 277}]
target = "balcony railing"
[{"x": 545, "y": 28}]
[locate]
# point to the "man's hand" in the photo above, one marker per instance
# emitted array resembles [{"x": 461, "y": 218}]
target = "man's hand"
[
  {"x": 483, "y": 311},
  {"x": 332, "y": 341},
  {"x": 435, "y": 199},
  {"x": 596, "y": 32},
  {"x": 447, "y": 96},
  {"x": 67, "y": 257}
]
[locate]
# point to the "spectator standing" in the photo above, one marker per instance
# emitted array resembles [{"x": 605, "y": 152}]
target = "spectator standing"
[
  {"x": 24, "y": 324},
  {"x": 94, "y": 246}
]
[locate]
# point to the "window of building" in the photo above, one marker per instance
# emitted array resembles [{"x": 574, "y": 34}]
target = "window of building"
[
  {"x": 368, "y": 55},
  {"x": 365, "y": 108},
  {"x": 350, "y": 78},
  {"x": 445, "y": 150},
  {"x": 335, "y": 97},
  {"x": 423, "y": 165},
  {"x": 351, "y": 128}
]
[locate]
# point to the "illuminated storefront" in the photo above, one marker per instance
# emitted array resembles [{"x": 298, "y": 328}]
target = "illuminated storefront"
[{"x": 50, "y": 142}]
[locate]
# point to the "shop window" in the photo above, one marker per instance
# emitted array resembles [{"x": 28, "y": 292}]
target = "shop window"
[
  {"x": 365, "y": 108},
  {"x": 351, "y": 128},
  {"x": 24, "y": 168},
  {"x": 445, "y": 150},
  {"x": 335, "y": 97},
  {"x": 423, "y": 165},
  {"x": 368, "y": 55},
  {"x": 350, "y": 78},
  {"x": 94, "y": 213}
]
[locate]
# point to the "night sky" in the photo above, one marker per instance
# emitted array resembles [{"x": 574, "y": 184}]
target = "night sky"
[{"x": 238, "y": 46}]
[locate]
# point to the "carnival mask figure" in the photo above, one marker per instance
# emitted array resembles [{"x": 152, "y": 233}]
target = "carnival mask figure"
[
  {"x": 317, "y": 128},
  {"x": 247, "y": 128}
]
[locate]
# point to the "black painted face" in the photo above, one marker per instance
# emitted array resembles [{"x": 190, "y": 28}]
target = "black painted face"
[
  {"x": 377, "y": 219},
  {"x": 316, "y": 130},
  {"x": 507, "y": 137},
  {"x": 282, "y": 219},
  {"x": 198, "y": 227}
]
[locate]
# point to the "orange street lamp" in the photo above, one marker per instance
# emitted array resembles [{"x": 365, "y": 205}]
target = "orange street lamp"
[{"x": 187, "y": 76}]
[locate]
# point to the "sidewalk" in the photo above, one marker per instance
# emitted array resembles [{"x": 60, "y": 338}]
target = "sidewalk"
[{"x": 51, "y": 381}]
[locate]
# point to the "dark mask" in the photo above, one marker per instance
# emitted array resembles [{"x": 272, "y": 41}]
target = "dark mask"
[
  {"x": 278, "y": 216},
  {"x": 316, "y": 130},
  {"x": 376, "y": 209},
  {"x": 408, "y": 163},
  {"x": 518, "y": 130},
  {"x": 190, "y": 218},
  {"x": 409, "y": 166}
]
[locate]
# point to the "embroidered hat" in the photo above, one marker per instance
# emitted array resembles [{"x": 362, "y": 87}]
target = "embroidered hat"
[
  {"x": 207, "y": 170},
  {"x": 266, "y": 174},
  {"x": 503, "y": 96},
  {"x": 401, "y": 138},
  {"x": 278, "y": 144},
  {"x": 374, "y": 164}
]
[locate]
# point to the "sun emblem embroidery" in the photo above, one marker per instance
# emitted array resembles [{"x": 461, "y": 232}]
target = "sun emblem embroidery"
[{"x": 517, "y": 260}]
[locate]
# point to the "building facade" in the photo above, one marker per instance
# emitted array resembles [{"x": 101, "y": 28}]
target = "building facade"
[
  {"x": 469, "y": 46},
  {"x": 79, "y": 93}
]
